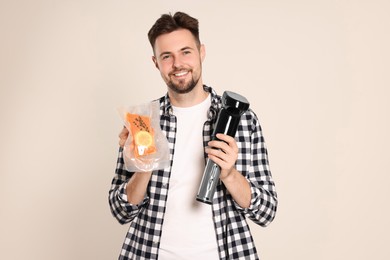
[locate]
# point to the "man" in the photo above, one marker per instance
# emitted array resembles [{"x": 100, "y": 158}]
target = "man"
[{"x": 166, "y": 222}]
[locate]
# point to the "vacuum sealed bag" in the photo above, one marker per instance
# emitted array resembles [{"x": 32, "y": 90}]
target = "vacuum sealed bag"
[{"x": 146, "y": 148}]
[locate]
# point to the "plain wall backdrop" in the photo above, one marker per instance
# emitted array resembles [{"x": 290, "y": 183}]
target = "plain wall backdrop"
[{"x": 316, "y": 73}]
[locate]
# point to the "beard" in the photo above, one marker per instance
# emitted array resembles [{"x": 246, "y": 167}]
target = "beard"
[{"x": 181, "y": 87}]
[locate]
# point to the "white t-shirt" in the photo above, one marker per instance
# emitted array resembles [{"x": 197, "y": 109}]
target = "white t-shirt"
[{"x": 188, "y": 230}]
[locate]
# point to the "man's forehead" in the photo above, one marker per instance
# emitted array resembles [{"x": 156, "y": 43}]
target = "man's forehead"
[{"x": 175, "y": 41}]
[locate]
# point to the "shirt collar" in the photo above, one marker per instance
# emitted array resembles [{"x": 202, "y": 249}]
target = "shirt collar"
[{"x": 212, "y": 113}]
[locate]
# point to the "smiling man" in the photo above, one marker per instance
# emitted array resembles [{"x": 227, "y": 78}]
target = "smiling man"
[
  {"x": 179, "y": 60},
  {"x": 166, "y": 222},
  {"x": 179, "y": 57}
]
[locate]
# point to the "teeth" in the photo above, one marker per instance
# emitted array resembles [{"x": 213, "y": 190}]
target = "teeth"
[{"x": 181, "y": 73}]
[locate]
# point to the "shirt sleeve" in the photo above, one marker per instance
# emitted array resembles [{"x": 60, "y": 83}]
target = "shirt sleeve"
[
  {"x": 121, "y": 209},
  {"x": 264, "y": 200}
]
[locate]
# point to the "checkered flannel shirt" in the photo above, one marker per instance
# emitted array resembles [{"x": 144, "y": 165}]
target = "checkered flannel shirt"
[{"x": 232, "y": 232}]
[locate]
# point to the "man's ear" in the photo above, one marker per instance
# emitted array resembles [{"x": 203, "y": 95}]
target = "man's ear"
[
  {"x": 202, "y": 52},
  {"x": 155, "y": 62}
]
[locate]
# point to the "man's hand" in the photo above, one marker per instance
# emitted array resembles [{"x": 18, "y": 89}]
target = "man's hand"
[
  {"x": 225, "y": 153},
  {"x": 123, "y": 136}
]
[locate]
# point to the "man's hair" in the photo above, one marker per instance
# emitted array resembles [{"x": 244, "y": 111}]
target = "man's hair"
[{"x": 168, "y": 23}]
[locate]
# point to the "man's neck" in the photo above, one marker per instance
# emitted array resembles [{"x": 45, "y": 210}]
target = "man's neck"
[{"x": 196, "y": 96}]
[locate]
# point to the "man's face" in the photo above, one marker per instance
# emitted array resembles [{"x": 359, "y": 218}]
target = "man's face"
[{"x": 179, "y": 60}]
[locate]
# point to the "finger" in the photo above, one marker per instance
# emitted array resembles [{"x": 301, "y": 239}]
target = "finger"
[
  {"x": 229, "y": 140},
  {"x": 217, "y": 160},
  {"x": 124, "y": 132},
  {"x": 216, "y": 152},
  {"x": 122, "y": 142},
  {"x": 225, "y": 138},
  {"x": 222, "y": 162},
  {"x": 229, "y": 159},
  {"x": 225, "y": 147},
  {"x": 123, "y": 135}
]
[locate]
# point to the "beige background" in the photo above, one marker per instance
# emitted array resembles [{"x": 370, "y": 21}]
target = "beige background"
[{"x": 316, "y": 73}]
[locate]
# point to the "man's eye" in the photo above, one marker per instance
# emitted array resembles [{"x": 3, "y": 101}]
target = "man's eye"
[
  {"x": 186, "y": 52},
  {"x": 164, "y": 57}
]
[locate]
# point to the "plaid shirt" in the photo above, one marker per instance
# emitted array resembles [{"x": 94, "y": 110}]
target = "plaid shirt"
[{"x": 232, "y": 231}]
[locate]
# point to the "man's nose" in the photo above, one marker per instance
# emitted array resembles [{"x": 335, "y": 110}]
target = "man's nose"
[{"x": 177, "y": 63}]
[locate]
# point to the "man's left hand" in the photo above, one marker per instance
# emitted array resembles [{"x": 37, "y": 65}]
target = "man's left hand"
[{"x": 223, "y": 152}]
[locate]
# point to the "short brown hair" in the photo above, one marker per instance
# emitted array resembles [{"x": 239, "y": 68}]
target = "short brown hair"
[{"x": 168, "y": 23}]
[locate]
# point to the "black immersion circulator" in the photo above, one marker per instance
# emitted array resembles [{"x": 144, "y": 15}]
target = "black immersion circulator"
[{"x": 233, "y": 106}]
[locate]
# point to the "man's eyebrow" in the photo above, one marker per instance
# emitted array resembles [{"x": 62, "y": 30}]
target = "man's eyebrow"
[
  {"x": 169, "y": 52},
  {"x": 186, "y": 48},
  {"x": 164, "y": 53}
]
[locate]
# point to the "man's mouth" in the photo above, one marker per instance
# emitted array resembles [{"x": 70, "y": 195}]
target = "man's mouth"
[{"x": 181, "y": 73}]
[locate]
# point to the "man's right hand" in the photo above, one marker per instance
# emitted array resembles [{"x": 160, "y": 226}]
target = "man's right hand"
[{"x": 123, "y": 136}]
